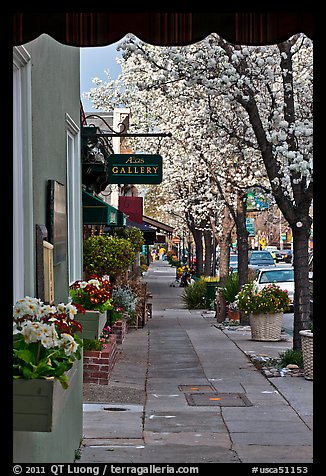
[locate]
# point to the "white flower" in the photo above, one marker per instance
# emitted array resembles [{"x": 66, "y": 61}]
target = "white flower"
[
  {"x": 28, "y": 306},
  {"x": 72, "y": 310},
  {"x": 47, "y": 309},
  {"x": 94, "y": 282},
  {"x": 68, "y": 343},
  {"x": 61, "y": 307},
  {"x": 36, "y": 331}
]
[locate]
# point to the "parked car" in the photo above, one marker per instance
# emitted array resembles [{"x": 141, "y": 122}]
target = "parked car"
[
  {"x": 260, "y": 259},
  {"x": 283, "y": 277},
  {"x": 278, "y": 256},
  {"x": 287, "y": 256}
]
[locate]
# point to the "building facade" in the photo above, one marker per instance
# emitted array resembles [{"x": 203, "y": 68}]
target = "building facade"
[{"x": 47, "y": 206}]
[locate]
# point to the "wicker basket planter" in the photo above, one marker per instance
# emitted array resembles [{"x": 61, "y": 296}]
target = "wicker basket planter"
[
  {"x": 93, "y": 323},
  {"x": 266, "y": 327},
  {"x": 307, "y": 347}
]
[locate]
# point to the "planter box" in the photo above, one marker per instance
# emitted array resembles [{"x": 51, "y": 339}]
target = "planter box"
[
  {"x": 266, "y": 327},
  {"x": 93, "y": 323},
  {"x": 307, "y": 346},
  {"x": 98, "y": 365},
  {"x": 38, "y": 402},
  {"x": 120, "y": 329}
]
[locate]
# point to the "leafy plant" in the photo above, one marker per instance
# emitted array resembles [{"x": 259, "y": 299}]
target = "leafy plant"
[
  {"x": 231, "y": 288},
  {"x": 124, "y": 299},
  {"x": 133, "y": 234},
  {"x": 98, "y": 344},
  {"x": 44, "y": 340},
  {"x": 92, "y": 344},
  {"x": 269, "y": 299},
  {"x": 194, "y": 295},
  {"x": 107, "y": 255},
  {"x": 291, "y": 356}
]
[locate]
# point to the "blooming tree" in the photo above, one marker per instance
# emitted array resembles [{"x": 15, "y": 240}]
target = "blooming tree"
[{"x": 230, "y": 104}]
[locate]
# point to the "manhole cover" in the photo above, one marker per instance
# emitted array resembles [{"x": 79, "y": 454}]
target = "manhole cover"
[
  {"x": 220, "y": 399},
  {"x": 196, "y": 388}
]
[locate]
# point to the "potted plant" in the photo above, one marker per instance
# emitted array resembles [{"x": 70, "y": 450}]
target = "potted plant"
[
  {"x": 99, "y": 357},
  {"x": 229, "y": 293},
  {"x": 94, "y": 298},
  {"x": 45, "y": 348},
  {"x": 233, "y": 312},
  {"x": 265, "y": 308}
]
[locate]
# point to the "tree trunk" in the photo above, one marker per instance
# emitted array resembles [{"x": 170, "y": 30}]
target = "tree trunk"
[
  {"x": 198, "y": 235},
  {"x": 242, "y": 241},
  {"x": 301, "y": 296},
  {"x": 224, "y": 260},
  {"x": 208, "y": 252}
]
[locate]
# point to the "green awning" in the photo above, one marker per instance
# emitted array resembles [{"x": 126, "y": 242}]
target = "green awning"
[{"x": 98, "y": 212}]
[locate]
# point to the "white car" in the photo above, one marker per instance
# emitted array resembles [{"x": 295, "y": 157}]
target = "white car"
[{"x": 283, "y": 277}]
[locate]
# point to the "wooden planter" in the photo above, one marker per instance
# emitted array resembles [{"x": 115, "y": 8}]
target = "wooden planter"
[
  {"x": 93, "y": 323},
  {"x": 307, "y": 346},
  {"x": 266, "y": 327},
  {"x": 38, "y": 402}
]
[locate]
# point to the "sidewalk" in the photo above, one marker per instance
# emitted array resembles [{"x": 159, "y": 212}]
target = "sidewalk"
[{"x": 185, "y": 391}]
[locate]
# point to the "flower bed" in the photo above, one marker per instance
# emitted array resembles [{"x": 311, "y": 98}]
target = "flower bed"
[{"x": 98, "y": 364}]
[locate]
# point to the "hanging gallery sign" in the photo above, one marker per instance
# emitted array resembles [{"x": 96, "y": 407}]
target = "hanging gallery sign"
[{"x": 135, "y": 168}]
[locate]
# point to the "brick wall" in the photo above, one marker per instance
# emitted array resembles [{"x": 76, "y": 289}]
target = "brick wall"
[
  {"x": 120, "y": 329},
  {"x": 98, "y": 365}
]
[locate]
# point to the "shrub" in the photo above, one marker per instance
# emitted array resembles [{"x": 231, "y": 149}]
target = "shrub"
[
  {"x": 291, "y": 356},
  {"x": 194, "y": 295},
  {"x": 125, "y": 298},
  {"x": 230, "y": 290},
  {"x": 107, "y": 255}
]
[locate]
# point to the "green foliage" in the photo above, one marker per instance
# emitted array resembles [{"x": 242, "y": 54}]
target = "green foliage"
[
  {"x": 194, "y": 295},
  {"x": 92, "y": 344},
  {"x": 231, "y": 288},
  {"x": 291, "y": 356},
  {"x": 108, "y": 255},
  {"x": 133, "y": 234},
  {"x": 31, "y": 360}
]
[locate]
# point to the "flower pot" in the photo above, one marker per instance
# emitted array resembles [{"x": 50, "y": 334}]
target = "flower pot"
[
  {"x": 38, "y": 402},
  {"x": 93, "y": 323},
  {"x": 233, "y": 315},
  {"x": 266, "y": 327},
  {"x": 307, "y": 353}
]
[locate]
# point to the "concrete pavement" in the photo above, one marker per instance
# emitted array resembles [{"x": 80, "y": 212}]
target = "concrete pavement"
[{"x": 192, "y": 395}]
